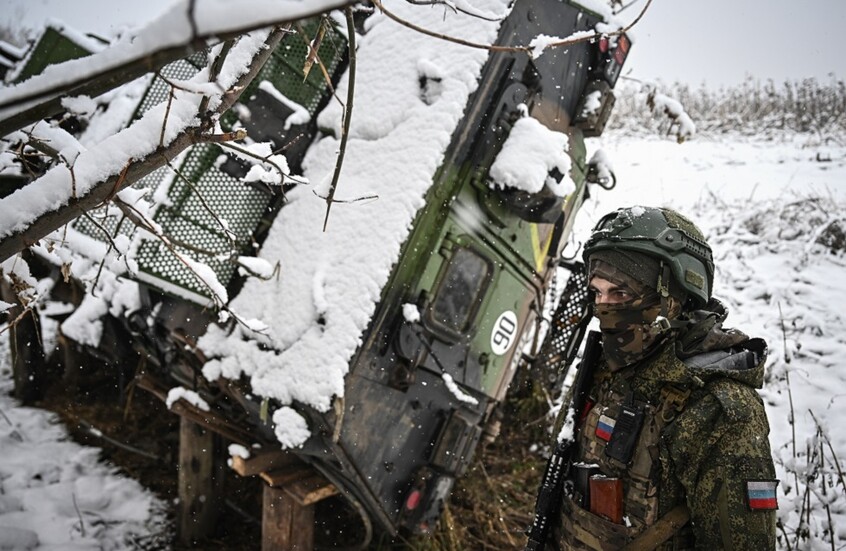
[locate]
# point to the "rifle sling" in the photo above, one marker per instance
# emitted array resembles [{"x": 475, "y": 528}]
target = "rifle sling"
[{"x": 663, "y": 529}]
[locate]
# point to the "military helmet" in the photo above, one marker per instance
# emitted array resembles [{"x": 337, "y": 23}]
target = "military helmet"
[{"x": 664, "y": 234}]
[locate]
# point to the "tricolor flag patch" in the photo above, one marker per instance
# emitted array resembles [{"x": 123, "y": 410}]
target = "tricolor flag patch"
[
  {"x": 761, "y": 494},
  {"x": 605, "y": 427}
]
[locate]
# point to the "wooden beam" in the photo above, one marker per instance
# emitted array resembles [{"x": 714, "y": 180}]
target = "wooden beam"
[
  {"x": 208, "y": 419},
  {"x": 282, "y": 477},
  {"x": 259, "y": 463},
  {"x": 310, "y": 490},
  {"x": 305, "y": 485}
]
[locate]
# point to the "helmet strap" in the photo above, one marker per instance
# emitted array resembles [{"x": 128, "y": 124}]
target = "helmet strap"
[{"x": 664, "y": 288}]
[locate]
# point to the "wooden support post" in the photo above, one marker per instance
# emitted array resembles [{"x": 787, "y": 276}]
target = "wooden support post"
[
  {"x": 285, "y": 524},
  {"x": 29, "y": 365},
  {"x": 288, "y": 510},
  {"x": 201, "y": 478}
]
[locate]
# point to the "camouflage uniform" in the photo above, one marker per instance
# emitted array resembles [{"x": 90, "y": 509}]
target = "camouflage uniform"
[
  {"x": 672, "y": 421},
  {"x": 702, "y": 456}
]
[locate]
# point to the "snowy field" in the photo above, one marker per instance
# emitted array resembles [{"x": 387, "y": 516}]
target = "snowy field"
[{"x": 763, "y": 206}]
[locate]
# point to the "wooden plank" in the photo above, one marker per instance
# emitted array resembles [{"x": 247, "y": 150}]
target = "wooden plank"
[
  {"x": 263, "y": 462},
  {"x": 280, "y": 478},
  {"x": 309, "y": 491},
  {"x": 200, "y": 482},
  {"x": 207, "y": 419},
  {"x": 285, "y": 524}
]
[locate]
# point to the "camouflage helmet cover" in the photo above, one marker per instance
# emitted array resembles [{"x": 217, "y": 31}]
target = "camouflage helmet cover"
[{"x": 662, "y": 233}]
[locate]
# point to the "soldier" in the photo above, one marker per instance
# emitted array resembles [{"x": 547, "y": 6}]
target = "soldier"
[{"x": 670, "y": 447}]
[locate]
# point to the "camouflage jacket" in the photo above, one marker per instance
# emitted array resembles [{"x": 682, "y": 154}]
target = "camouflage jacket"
[{"x": 703, "y": 442}]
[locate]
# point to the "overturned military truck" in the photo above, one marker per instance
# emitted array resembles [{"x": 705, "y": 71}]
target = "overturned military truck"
[{"x": 377, "y": 352}]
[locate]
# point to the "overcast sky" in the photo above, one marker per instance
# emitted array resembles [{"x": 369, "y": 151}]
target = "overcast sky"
[{"x": 718, "y": 42}]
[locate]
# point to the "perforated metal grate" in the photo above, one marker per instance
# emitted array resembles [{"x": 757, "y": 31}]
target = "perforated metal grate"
[
  {"x": 284, "y": 69},
  {"x": 158, "y": 91},
  {"x": 564, "y": 321},
  {"x": 195, "y": 222},
  {"x": 203, "y": 198}
]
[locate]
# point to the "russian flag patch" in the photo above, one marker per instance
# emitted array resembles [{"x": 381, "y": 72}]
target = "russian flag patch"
[
  {"x": 605, "y": 427},
  {"x": 761, "y": 494}
]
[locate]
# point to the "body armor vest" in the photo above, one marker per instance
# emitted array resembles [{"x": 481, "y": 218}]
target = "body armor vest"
[{"x": 618, "y": 448}]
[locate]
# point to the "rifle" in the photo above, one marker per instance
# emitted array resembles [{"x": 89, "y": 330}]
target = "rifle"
[{"x": 551, "y": 490}]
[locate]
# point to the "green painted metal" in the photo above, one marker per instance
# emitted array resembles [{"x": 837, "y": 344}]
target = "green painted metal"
[
  {"x": 53, "y": 47},
  {"x": 209, "y": 215}
]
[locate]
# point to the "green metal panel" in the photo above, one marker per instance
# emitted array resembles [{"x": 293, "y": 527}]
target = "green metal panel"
[
  {"x": 202, "y": 194},
  {"x": 53, "y": 47},
  {"x": 200, "y": 201}
]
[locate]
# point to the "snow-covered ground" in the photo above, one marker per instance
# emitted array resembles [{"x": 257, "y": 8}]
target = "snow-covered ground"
[
  {"x": 59, "y": 496},
  {"x": 762, "y": 204}
]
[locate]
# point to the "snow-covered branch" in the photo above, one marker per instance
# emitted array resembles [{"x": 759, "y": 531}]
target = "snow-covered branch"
[
  {"x": 164, "y": 40},
  {"x": 124, "y": 158}
]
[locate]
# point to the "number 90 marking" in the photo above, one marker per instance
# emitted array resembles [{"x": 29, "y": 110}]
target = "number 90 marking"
[{"x": 504, "y": 333}]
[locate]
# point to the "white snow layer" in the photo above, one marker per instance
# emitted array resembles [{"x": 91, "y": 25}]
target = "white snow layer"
[
  {"x": 182, "y": 393},
  {"x": 530, "y": 152},
  {"x": 324, "y": 297},
  {"x": 56, "y": 495}
]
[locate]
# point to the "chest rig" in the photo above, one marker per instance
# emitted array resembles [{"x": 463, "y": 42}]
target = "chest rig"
[{"x": 618, "y": 447}]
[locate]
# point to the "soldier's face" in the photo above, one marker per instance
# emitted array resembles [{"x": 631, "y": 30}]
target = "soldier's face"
[{"x": 606, "y": 292}]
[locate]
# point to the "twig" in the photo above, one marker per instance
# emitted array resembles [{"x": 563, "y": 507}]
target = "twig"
[
  {"x": 517, "y": 49},
  {"x": 327, "y": 79},
  {"x": 78, "y": 514},
  {"x": 312, "y": 45},
  {"x": 453, "y": 7},
  {"x": 248, "y": 153},
  {"x": 138, "y": 218},
  {"x": 166, "y": 115},
  {"x": 412, "y": 26},
  {"x": 214, "y": 71},
  {"x": 142, "y": 222},
  {"x": 339, "y": 161},
  {"x": 226, "y": 231},
  {"x": 97, "y": 433},
  {"x": 356, "y": 200},
  {"x": 831, "y": 448}
]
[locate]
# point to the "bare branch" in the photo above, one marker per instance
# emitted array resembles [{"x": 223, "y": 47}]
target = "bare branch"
[
  {"x": 46, "y": 102},
  {"x": 618, "y": 32},
  {"x": 135, "y": 169},
  {"x": 313, "y": 45},
  {"x": 490, "y": 47},
  {"x": 229, "y": 235},
  {"x": 214, "y": 71},
  {"x": 516, "y": 49},
  {"x": 345, "y": 132},
  {"x": 453, "y": 7},
  {"x": 267, "y": 160}
]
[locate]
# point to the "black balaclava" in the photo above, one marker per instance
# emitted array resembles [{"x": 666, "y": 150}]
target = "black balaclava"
[{"x": 633, "y": 330}]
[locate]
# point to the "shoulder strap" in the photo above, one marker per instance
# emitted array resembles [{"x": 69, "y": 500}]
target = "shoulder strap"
[{"x": 663, "y": 529}]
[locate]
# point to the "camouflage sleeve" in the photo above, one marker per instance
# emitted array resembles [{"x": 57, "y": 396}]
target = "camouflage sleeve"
[{"x": 720, "y": 456}]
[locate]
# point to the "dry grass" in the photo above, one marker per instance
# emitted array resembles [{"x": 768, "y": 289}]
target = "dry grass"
[{"x": 492, "y": 505}]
